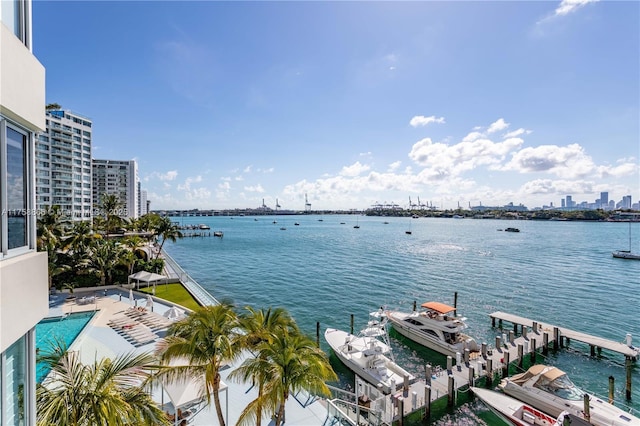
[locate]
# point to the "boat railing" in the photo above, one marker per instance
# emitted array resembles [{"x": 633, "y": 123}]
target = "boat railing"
[
  {"x": 175, "y": 271},
  {"x": 354, "y": 414}
]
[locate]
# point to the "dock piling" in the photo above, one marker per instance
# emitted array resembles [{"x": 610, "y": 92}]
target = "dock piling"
[
  {"x": 611, "y": 389},
  {"x": 505, "y": 367},
  {"x": 471, "y": 375},
  {"x": 455, "y": 303},
  {"x": 520, "y": 355},
  {"x": 627, "y": 363},
  {"x": 415, "y": 306},
  {"x": 489, "y": 372},
  {"x": 484, "y": 350},
  {"x": 586, "y": 408},
  {"x": 428, "y": 373},
  {"x": 351, "y": 323},
  {"x": 534, "y": 329},
  {"x": 318, "y": 333},
  {"x": 427, "y": 402},
  {"x": 451, "y": 390},
  {"x": 400, "y": 402},
  {"x": 533, "y": 351},
  {"x": 498, "y": 343},
  {"x": 449, "y": 364},
  {"x": 511, "y": 337},
  {"x": 545, "y": 343},
  {"x": 556, "y": 338},
  {"x": 466, "y": 356}
]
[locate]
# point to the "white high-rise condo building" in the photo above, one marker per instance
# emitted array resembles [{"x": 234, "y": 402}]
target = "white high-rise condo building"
[
  {"x": 116, "y": 177},
  {"x": 24, "y": 297},
  {"x": 63, "y": 165}
]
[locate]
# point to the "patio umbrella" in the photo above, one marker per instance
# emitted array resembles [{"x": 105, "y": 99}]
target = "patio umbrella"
[
  {"x": 174, "y": 313},
  {"x": 149, "y": 303},
  {"x": 131, "y": 297}
]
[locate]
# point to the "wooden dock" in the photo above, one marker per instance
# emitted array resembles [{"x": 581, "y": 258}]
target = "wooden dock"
[
  {"x": 492, "y": 363},
  {"x": 596, "y": 343}
]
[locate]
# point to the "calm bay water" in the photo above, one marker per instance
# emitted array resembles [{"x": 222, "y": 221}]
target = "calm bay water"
[{"x": 325, "y": 269}]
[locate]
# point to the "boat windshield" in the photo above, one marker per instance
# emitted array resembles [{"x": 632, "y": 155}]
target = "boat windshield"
[{"x": 561, "y": 386}]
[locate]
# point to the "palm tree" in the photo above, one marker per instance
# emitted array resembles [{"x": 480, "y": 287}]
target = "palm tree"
[
  {"x": 290, "y": 362},
  {"x": 105, "y": 257},
  {"x": 260, "y": 326},
  {"x": 167, "y": 231},
  {"x": 206, "y": 340},
  {"x": 111, "y": 206},
  {"x": 50, "y": 230},
  {"x": 107, "y": 392}
]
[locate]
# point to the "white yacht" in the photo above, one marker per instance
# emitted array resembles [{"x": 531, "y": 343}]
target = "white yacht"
[
  {"x": 518, "y": 413},
  {"x": 369, "y": 355},
  {"x": 550, "y": 390},
  {"x": 436, "y": 327}
]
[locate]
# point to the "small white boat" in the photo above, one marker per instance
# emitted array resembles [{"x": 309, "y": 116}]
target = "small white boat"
[
  {"x": 549, "y": 389},
  {"x": 627, "y": 254},
  {"x": 436, "y": 327},
  {"x": 203, "y": 226},
  {"x": 518, "y": 413},
  {"x": 368, "y": 356}
]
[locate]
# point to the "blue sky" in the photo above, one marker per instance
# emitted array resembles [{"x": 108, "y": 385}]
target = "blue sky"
[{"x": 224, "y": 104}]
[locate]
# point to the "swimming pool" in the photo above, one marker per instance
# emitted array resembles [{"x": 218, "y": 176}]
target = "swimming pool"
[{"x": 51, "y": 330}]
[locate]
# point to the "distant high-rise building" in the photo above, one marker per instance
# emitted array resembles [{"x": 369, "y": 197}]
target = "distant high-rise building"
[
  {"x": 569, "y": 202},
  {"x": 604, "y": 200},
  {"x": 23, "y": 270},
  {"x": 117, "y": 177},
  {"x": 143, "y": 203},
  {"x": 625, "y": 203},
  {"x": 562, "y": 203},
  {"x": 63, "y": 164}
]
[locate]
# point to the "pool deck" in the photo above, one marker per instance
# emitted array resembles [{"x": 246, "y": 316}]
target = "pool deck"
[{"x": 99, "y": 340}]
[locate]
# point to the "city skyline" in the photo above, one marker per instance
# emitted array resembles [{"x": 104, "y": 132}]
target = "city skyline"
[{"x": 226, "y": 104}]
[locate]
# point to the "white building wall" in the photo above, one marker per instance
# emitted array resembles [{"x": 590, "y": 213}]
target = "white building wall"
[{"x": 23, "y": 271}]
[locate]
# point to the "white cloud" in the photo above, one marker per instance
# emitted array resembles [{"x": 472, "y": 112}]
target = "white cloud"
[
  {"x": 170, "y": 175},
  {"x": 394, "y": 166},
  {"x": 256, "y": 188},
  {"x": 570, "y": 6},
  {"x": 421, "y": 120},
  {"x": 247, "y": 169},
  {"x": 565, "y": 8},
  {"x": 498, "y": 125},
  {"x": 354, "y": 170},
  {"x": 569, "y": 162},
  {"x": 517, "y": 132}
]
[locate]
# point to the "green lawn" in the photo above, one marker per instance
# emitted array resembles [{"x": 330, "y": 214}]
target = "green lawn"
[{"x": 175, "y": 293}]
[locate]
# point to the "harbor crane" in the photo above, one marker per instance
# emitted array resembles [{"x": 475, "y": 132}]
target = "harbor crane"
[{"x": 307, "y": 204}]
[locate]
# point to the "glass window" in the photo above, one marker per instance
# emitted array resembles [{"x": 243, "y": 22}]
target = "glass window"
[
  {"x": 16, "y": 188},
  {"x": 14, "y": 383}
]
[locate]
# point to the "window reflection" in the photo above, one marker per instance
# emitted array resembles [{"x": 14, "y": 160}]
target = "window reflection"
[{"x": 16, "y": 189}]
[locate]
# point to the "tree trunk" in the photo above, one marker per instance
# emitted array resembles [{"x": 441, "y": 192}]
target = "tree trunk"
[
  {"x": 216, "y": 399},
  {"x": 280, "y": 417}
]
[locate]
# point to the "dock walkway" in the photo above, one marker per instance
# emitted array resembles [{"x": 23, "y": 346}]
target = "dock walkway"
[{"x": 593, "y": 341}]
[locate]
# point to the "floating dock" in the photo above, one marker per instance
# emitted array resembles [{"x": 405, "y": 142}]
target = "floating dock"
[{"x": 459, "y": 374}]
